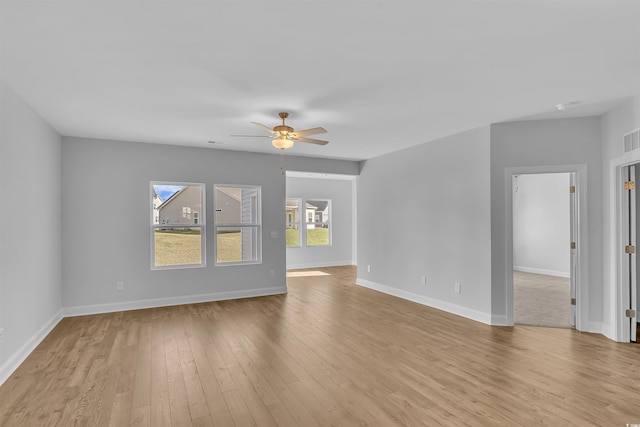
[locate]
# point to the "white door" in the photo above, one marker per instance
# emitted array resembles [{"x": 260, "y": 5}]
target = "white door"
[
  {"x": 629, "y": 246},
  {"x": 573, "y": 246}
]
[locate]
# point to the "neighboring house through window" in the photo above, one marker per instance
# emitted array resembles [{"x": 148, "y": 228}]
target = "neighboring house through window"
[
  {"x": 317, "y": 213},
  {"x": 318, "y": 222},
  {"x": 238, "y": 224},
  {"x": 177, "y": 234}
]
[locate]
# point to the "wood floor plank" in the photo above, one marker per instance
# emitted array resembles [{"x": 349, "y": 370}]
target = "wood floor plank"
[
  {"x": 218, "y": 409},
  {"x": 120, "y": 411},
  {"x": 334, "y": 416},
  {"x": 160, "y": 408},
  {"x": 328, "y": 353},
  {"x": 290, "y": 401},
  {"x": 252, "y": 398},
  {"x": 281, "y": 416},
  {"x": 259, "y": 383},
  {"x": 178, "y": 401},
  {"x": 238, "y": 409},
  {"x": 222, "y": 375},
  {"x": 205, "y": 421},
  {"x": 140, "y": 416},
  {"x": 141, "y": 396},
  {"x": 195, "y": 395}
]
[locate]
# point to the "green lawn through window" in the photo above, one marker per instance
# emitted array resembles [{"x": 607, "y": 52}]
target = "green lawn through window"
[
  {"x": 177, "y": 247},
  {"x": 183, "y": 247},
  {"x": 315, "y": 237}
]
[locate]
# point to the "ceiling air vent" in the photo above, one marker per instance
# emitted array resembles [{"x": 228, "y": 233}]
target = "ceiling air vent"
[{"x": 631, "y": 141}]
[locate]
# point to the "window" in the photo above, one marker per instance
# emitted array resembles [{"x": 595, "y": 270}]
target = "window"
[
  {"x": 293, "y": 222},
  {"x": 177, "y": 234},
  {"x": 238, "y": 226},
  {"x": 317, "y": 217},
  {"x": 318, "y": 222}
]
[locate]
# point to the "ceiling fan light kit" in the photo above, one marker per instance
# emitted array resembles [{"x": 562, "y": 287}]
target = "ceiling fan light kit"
[
  {"x": 282, "y": 143},
  {"x": 286, "y": 136}
]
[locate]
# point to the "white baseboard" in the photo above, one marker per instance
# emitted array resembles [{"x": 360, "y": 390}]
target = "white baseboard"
[
  {"x": 542, "y": 271},
  {"x": 459, "y": 310},
  {"x": 165, "y": 302},
  {"x": 499, "y": 320},
  {"x": 599, "y": 328},
  {"x": 319, "y": 264},
  {"x": 23, "y": 352}
]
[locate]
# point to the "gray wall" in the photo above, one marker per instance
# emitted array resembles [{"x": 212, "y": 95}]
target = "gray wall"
[
  {"x": 107, "y": 232},
  {"x": 106, "y": 226},
  {"x": 425, "y": 211},
  {"x": 536, "y": 143},
  {"x": 30, "y": 260},
  {"x": 341, "y": 193}
]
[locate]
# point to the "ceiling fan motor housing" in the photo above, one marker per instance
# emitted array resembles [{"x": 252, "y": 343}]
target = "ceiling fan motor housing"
[{"x": 283, "y": 129}]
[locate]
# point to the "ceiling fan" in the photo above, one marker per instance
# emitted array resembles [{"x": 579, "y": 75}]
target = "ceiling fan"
[{"x": 285, "y": 136}]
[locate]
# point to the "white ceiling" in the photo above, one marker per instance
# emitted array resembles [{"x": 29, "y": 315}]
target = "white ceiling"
[{"x": 378, "y": 75}]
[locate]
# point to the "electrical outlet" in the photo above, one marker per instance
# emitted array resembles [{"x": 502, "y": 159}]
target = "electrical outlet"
[
  {"x": 423, "y": 280},
  {"x": 457, "y": 287},
  {"x": 272, "y": 273},
  {"x": 368, "y": 269},
  {"x": 119, "y": 286},
  {"x": 1, "y": 334}
]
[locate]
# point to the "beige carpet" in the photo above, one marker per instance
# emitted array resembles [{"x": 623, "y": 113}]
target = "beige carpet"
[{"x": 541, "y": 300}]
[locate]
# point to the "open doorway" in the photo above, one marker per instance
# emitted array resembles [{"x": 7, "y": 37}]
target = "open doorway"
[{"x": 542, "y": 249}]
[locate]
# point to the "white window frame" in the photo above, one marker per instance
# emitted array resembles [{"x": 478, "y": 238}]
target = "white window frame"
[
  {"x": 201, "y": 225},
  {"x": 257, "y": 225},
  {"x": 298, "y": 222}
]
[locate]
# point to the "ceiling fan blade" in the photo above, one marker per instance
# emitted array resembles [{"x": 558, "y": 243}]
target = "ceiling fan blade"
[
  {"x": 311, "y": 140},
  {"x": 307, "y": 132},
  {"x": 260, "y": 125},
  {"x": 254, "y": 136}
]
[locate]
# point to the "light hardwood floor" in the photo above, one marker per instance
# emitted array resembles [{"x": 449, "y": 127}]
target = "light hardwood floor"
[{"x": 327, "y": 353}]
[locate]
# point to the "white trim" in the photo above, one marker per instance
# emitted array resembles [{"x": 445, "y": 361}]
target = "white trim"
[
  {"x": 318, "y": 175},
  {"x": 582, "y": 290},
  {"x": 617, "y": 329},
  {"x": 476, "y": 315},
  {"x": 354, "y": 221},
  {"x": 27, "y": 348},
  {"x": 597, "y": 328},
  {"x": 542, "y": 271},
  {"x": 499, "y": 320},
  {"x": 320, "y": 264},
  {"x": 166, "y": 302}
]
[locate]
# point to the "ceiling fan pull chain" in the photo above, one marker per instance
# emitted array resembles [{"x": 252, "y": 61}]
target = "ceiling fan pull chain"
[{"x": 282, "y": 162}]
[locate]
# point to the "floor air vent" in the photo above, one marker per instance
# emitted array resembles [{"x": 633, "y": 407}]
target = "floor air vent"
[{"x": 631, "y": 141}]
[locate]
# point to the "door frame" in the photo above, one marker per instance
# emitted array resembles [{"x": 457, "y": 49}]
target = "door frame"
[
  {"x": 582, "y": 244},
  {"x": 620, "y": 296},
  {"x": 628, "y": 234}
]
